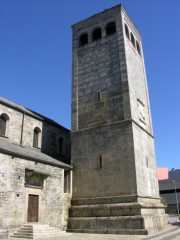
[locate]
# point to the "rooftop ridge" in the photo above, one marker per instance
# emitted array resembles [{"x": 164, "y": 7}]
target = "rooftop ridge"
[{"x": 29, "y": 112}]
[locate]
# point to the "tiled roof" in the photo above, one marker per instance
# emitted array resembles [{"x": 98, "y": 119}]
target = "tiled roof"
[{"x": 30, "y": 154}]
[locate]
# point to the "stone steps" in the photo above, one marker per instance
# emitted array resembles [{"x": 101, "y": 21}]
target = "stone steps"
[
  {"x": 123, "y": 217},
  {"x": 37, "y": 231},
  {"x": 113, "y": 225},
  {"x": 104, "y": 200},
  {"x": 100, "y": 210},
  {"x": 110, "y": 231},
  {"x": 116, "y": 209}
]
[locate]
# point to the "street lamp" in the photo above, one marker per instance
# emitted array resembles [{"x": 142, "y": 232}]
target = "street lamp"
[{"x": 176, "y": 198}]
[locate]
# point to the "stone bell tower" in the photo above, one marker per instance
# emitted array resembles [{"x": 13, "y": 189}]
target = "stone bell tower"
[{"x": 115, "y": 185}]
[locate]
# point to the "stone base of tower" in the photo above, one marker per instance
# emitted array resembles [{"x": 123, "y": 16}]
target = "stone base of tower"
[{"x": 117, "y": 215}]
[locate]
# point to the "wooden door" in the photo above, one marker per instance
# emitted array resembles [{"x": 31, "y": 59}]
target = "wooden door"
[{"x": 33, "y": 205}]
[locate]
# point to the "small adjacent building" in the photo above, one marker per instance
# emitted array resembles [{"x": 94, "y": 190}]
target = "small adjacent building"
[
  {"x": 170, "y": 190},
  {"x": 34, "y": 168}
]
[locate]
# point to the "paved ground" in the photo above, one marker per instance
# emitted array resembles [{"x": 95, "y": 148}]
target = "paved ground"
[{"x": 171, "y": 233}]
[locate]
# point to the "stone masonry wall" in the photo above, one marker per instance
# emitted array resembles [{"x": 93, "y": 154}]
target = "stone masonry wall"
[
  {"x": 13, "y": 192},
  {"x": 113, "y": 67},
  {"x": 145, "y": 160},
  {"x": 103, "y": 77},
  {"x": 15, "y": 123},
  {"x": 101, "y": 130},
  {"x": 99, "y": 67},
  {"x": 104, "y": 162},
  {"x": 21, "y": 132},
  {"x": 50, "y": 141},
  {"x": 29, "y": 125},
  {"x": 138, "y": 92}
]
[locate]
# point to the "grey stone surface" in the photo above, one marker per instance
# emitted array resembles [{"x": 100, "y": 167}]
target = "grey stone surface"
[
  {"x": 112, "y": 140},
  {"x": 172, "y": 232},
  {"x": 44, "y": 164},
  {"x": 21, "y": 126},
  {"x": 29, "y": 153},
  {"x": 14, "y": 193}
]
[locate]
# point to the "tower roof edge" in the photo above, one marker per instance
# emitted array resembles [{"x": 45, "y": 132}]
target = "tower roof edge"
[
  {"x": 117, "y": 7},
  {"x": 131, "y": 22}
]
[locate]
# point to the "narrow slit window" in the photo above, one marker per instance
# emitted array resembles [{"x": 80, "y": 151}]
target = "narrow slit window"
[
  {"x": 67, "y": 181},
  {"x": 99, "y": 96},
  {"x": 96, "y": 34},
  {"x": 147, "y": 162},
  {"x": 36, "y": 137},
  {"x": 100, "y": 161}
]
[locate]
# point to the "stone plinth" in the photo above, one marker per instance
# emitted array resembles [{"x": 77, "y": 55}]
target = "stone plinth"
[{"x": 117, "y": 215}]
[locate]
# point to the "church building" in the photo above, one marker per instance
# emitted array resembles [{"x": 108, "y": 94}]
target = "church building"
[
  {"x": 35, "y": 169},
  {"x": 113, "y": 185}
]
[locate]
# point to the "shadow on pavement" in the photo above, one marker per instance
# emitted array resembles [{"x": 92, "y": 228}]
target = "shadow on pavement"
[{"x": 176, "y": 224}]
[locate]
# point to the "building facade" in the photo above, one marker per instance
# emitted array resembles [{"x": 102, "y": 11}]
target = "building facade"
[
  {"x": 170, "y": 191},
  {"x": 34, "y": 169},
  {"x": 115, "y": 185}
]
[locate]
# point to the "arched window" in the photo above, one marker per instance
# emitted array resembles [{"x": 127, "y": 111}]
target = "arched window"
[
  {"x": 36, "y": 137},
  {"x": 127, "y": 31},
  {"x": 83, "y": 39},
  {"x": 138, "y": 47},
  {"x": 2, "y": 126},
  {"x": 61, "y": 142},
  {"x": 110, "y": 28},
  {"x": 132, "y": 39},
  {"x": 96, "y": 34},
  {"x": 4, "y": 119}
]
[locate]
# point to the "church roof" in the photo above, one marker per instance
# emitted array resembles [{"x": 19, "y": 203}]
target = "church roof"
[
  {"x": 30, "y": 154},
  {"x": 29, "y": 112}
]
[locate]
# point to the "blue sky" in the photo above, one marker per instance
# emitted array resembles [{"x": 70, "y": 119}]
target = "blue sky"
[{"x": 36, "y": 67}]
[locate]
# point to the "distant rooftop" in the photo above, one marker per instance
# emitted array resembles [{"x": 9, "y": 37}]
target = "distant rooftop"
[{"x": 174, "y": 175}]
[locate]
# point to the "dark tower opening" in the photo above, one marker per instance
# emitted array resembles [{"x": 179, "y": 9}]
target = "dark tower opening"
[
  {"x": 133, "y": 40},
  {"x": 83, "y": 39},
  {"x": 110, "y": 28},
  {"x": 127, "y": 31},
  {"x": 138, "y": 48},
  {"x": 97, "y": 34}
]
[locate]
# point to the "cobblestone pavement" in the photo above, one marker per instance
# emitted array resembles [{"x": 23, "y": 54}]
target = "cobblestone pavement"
[{"x": 172, "y": 232}]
